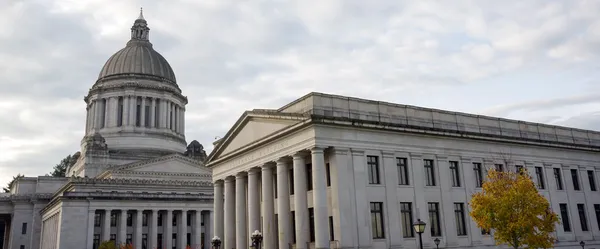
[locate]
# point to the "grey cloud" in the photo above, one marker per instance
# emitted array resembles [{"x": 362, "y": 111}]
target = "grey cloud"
[{"x": 544, "y": 104}]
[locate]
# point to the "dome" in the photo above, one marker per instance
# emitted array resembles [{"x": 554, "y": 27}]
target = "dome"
[{"x": 138, "y": 58}]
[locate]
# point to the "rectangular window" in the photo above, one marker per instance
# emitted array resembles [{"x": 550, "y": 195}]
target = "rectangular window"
[
  {"x": 174, "y": 240},
  {"x": 331, "y": 233},
  {"x": 429, "y": 172},
  {"x": 103, "y": 114},
  {"x": 434, "y": 219},
  {"x": 159, "y": 219},
  {"x": 309, "y": 180},
  {"x": 120, "y": 112},
  {"x": 328, "y": 174},
  {"x": 145, "y": 219},
  {"x": 478, "y": 174},
  {"x": 582, "y": 217},
  {"x": 459, "y": 214},
  {"x": 401, "y": 162},
  {"x": 159, "y": 240},
  {"x": 144, "y": 241},
  {"x": 407, "y": 219},
  {"x": 539, "y": 174},
  {"x": 156, "y": 112},
  {"x": 129, "y": 219},
  {"x": 189, "y": 219},
  {"x": 592, "y": 179},
  {"x": 558, "y": 178},
  {"x": 174, "y": 221},
  {"x": 129, "y": 238},
  {"x": 499, "y": 167},
  {"x": 564, "y": 216},
  {"x": 113, "y": 238},
  {"x": 373, "y": 169},
  {"x": 597, "y": 211},
  {"x": 22, "y": 247},
  {"x": 377, "y": 220},
  {"x": 113, "y": 219},
  {"x": 455, "y": 174},
  {"x": 24, "y": 228},
  {"x": 575, "y": 179},
  {"x": 138, "y": 113},
  {"x": 293, "y": 217},
  {"x": 519, "y": 169},
  {"x": 311, "y": 225},
  {"x": 96, "y": 241},
  {"x": 291, "y": 181},
  {"x": 97, "y": 219},
  {"x": 147, "y": 116}
]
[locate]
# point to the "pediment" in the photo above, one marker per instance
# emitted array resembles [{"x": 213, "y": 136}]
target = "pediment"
[{"x": 174, "y": 164}]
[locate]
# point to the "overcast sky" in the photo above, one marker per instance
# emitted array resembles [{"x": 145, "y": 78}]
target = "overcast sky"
[{"x": 535, "y": 60}]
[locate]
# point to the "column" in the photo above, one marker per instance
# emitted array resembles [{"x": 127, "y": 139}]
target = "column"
[
  {"x": 153, "y": 113},
  {"x": 241, "y": 230},
  {"x": 132, "y": 110},
  {"x": 153, "y": 234},
  {"x": 168, "y": 233},
  {"x": 106, "y": 225},
  {"x": 90, "y": 229},
  {"x": 123, "y": 227},
  {"x": 182, "y": 234},
  {"x": 125, "y": 118},
  {"x": 390, "y": 176},
  {"x": 137, "y": 237},
  {"x": 218, "y": 207},
  {"x": 197, "y": 229},
  {"x": 283, "y": 204},
  {"x": 229, "y": 240},
  {"x": 87, "y": 118},
  {"x": 268, "y": 207},
  {"x": 143, "y": 115},
  {"x": 253, "y": 202},
  {"x": 300, "y": 201},
  {"x": 320, "y": 198},
  {"x": 114, "y": 111},
  {"x": 208, "y": 229},
  {"x": 182, "y": 120},
  {"x": 92, "y": 114}
]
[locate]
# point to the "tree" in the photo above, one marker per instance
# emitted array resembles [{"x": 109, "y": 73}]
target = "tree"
[
  {"x": 7, "y": 188},
  {"x": 109, "y": 244},
  {"x": 61, "y": 168},
  {"x": 511, "y": 205}
]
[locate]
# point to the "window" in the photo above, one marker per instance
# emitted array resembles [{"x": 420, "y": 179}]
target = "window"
[
  {"x": 170, "y": 106},
  {"x": 159, "y": 219},
  {"x": 138, "y": 112},
  {"x": 582, "y": 217},
  {"x": 103, "y": 113},
  {"x": 455, "y": 174},
  {"x": 331, "y": 233},
  {"x": 519, "y": 169},
  {"x": 96, "y": 241},
  {"x": 499, "y": 167},
  {"x": 97, "y": 219},
  {"x": 597, "y": 211},
  {"x": 22, "y": 247},
  {"x": 407, "y": 219},
  {"x": 429, "y": 173},
  {"x": 174, "y": 240},
  {"x": 402, "y": 171},
  {"x": 311, "y": 225},
  {"x": 144, "y": 241},
  {"x": 434, "y": 219},
  {"x": 145, "y": 219},
  {"x": 478, "y": 174},
  {"x": 174, "y": 221},
  {"x": 113, "y": 219},
  {"x": 188, "y": 238},
  {"x": 24, "y": 228},
  {"x": 539, "y": 173},
  {"x": 291, "y": 181},
  {"x": 189, "y": 219},
  {"x": 147, "y": 115},
  {"x": 293, "y": 217},
  {"x": 113, "y": 238},
  {"x": 129, "y": 219},
  {"x": 459, "y": 214},
  {"x": 309, "y": 180},
  {"x": 120, "y": 112},
  {"x": 592, "y": 180},
  {"x": 156, "y": 112},
  {"x": 558, "y": 179},
  {"x": 485, "y": 231},
  {"x": 129, "y": 239},
  {"x": 377, "y": 220},
  {"x": 575, "y": 179},
  {"x": 159, "y": 240},
  {"x": 328, "y": 174},
  {"x": 373, "y": 168},
  {"x": 564, "y": 216}
]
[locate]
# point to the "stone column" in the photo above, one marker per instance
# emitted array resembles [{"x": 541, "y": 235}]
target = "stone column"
[
  {"x": 90, "y": 229},
  {"x": 218, "y": 207},
  {"x": 153, "y": 233},
  {"x": 320, "y": 198},
  {"x": 106, "y": 225},
  {"x": 137, "y": 238},
  {"x": 182, "y": 120},
  {"x": 241, "y": 229},
  {"x": 125, "y": 118},
  {"x": 168, "y": 233},
  {"x": 253, "y": 201},
  {"x": 153, "y": 113},
  {"x": 132, "y": 110},
  {"x": 302, "y": 228},
  {"x": 269, "y": 239},
  {"x": 208, "y": 229},
  {"x": 182, "y": 234},
  {"x": 283, "y": 204},
  {"x": 197, "y": 229},
  {"x": 143, "y": 114},
  {"x": 229, "y": 240},
  {"x": 93, "y": 115},
  {"x": 123, "y": 226}
]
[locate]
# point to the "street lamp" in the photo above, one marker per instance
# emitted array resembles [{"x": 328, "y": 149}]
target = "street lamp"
[
  {"x": 582, "y": 244},
  {"x": 216, "y": 242},
  {"x": 256, "y": 237},
  {"x": 420, "y": 228},
  {"x": 437, "y": 243}
]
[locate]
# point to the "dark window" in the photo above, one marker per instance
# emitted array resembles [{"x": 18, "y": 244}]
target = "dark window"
[
  {"x": 159, "y": 240},
  {"x": 291, "y": 181},
  {"x": 113, "y": 219},
  {"x": 145, "y": 219},
  {"x": 459, "y": 214},
  {"x": 174, "y": 240},
  {"x": 156, "y": 112},
  {"x": 174, "y": 221},
  {"x": 189, "y": 219},
  {"x": 144, "y": 241},
  {"x": 597, "y": 211},
  {"x": 499, "y": 167},
  {"x": 120, "y": 112},
  {"x": 138, "y": 112},
  {"x": 455, "y": 174},
  {"x": 575, "y": 179},
  {"x": 24, "y": 228},
  {"x": 558, "y": 178},
  {"x": 485, "y": 231},
  {"x": 159, "y": 219},
  {"x": 129, "y": 239},
  {"x": 402, "y": 171},
  {"x": 564, "y": 215},
  {"x": 147, "y": 115},
  {"x": 331, "y": 233},
  {"x": 97, "y": 219},
  {"x": 434, "y": 219},
  {"x": 188, "y": 238},
  {"x": 328, "y": 174},
  {"x": 309, "y": 180},
  {"x": 96, "y": 241},
  {"x": 373, "y": 169},
  {"x": 171, "y": 116},
  {"x": 582, "y": 217},
  {"x": 113, "y": 237},
  {"x": 129, "y": 219},
  {"x": 592, "y": 180},
  {"x": 377, "y": 220},
  {"x": 519, "y": 169},
  {"x": 478, "y": 174},
  {"x": 103, "y": 114},
  {"x": 407, "y": 219},
  {"x": 311, "y": 225},
  {"x": 293, "y": 217},
  {"x": 22, "y": 247},
  {"x": 539, "y": 173},
  {"x": 429, "y": 173}
]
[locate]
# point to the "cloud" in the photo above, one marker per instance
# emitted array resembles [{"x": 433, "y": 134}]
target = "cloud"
[{"x": 535, "y": 60}]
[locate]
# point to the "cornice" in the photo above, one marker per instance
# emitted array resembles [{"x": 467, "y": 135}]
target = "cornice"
[
  {"x": 155, "y": 173},
  {"x": 157, "y": 182},
  {"x": 134, "y": 84}
]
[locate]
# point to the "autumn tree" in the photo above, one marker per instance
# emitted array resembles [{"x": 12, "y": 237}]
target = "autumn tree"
[
  {"x": 512, "y": 207},
  {"x": 7, "y": 188}
]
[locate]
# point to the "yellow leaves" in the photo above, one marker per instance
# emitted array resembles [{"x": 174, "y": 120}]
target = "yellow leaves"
[{"x": 512, "y": 207}]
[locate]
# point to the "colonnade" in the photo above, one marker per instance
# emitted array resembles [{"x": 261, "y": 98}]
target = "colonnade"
[{"x": 234, "y": 207}]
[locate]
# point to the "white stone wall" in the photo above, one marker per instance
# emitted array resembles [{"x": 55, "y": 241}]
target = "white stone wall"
[
  {"x": 23, "y": 213},
  {"x": 73, "y": 225},
  {"x": 50, "y": 232}
]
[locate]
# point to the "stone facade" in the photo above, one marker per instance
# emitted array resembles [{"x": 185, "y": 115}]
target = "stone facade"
[{"x": 352, "y": 173}]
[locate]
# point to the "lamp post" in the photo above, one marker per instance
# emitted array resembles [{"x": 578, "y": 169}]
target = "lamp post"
[
  {"x": 437, "y": 243},
  {"x": 419, "y": 227},
  {"x": 216, "y": 242},
  {"x": 256, "y": 237},
  {"x": 582, "y": 244}
]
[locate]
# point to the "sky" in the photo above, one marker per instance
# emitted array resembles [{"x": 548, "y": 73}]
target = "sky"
[{"x": 535, "y": 60}]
